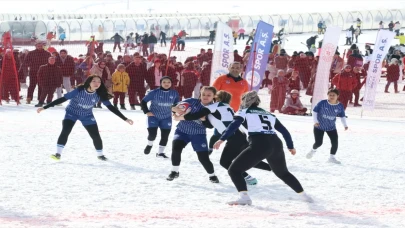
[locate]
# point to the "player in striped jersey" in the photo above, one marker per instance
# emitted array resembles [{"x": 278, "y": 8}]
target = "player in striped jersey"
[
  {"x": 192, "y": 131},
  {"x": 324, "y": 115},
  {"x": 263, "y": 144},
  {"x": 220, "y": 115},
  {"x": 160, "y": 114},
  {"x": 82, "y": 101}
]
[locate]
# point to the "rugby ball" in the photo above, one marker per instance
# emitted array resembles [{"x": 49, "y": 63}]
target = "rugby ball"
[{"x": 185, "y": 107}]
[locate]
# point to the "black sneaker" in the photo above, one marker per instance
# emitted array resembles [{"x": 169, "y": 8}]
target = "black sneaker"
[
  {"x": 133, "y": 107},
  {"x": 55, "y": 156},
  {"x": 161, "y": 155},
  {"x": 214, "y": 179},
  {"x": 99, "y": 106},
  {"x": 39, "y": 105},
  {"x": 147, "y": 149},
  {"x": 102, "y": 158},
  {"x": 173, "y": 175}
]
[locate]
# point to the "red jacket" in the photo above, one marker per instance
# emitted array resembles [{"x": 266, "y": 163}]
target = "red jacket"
[
  {"x": 393, "y": 73},
  {"x": 345, "y": 81},
  {"x": 137, "y": 75},
  {"x": 68, "y": 67},
  {"x": 49, "y": 76},
  {"x": 206, "y": 75},
  {"x": 281, "y": 62}
]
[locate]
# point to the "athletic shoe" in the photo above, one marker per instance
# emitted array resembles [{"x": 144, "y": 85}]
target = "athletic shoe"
[
  {"x": 133, "y": 107},
  {"x": 55, "y": 156},
  {"x": 161, "y": 155},
  {"x": 147, "y": 149},
  {"x": 214, "y": 179},
  {"x": 39, "y": 105},
  {"x": 333, "y": 160},
  {"x": 241, "y": 201},
  {"x": 102, "y": 158},
  {"x": 250, "y": 180},
  {"x": 311, "y": 154},
  {"x": 173, "y": 175},
  {"x": 306, "y": 198}
]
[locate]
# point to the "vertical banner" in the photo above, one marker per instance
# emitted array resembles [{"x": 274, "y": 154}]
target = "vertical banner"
[
  {"x": 263, "y": 39},
  {"x": 223, "y": 51},
  {"x": 381, "y": 46},
  {"x": 329, "y": 45}
]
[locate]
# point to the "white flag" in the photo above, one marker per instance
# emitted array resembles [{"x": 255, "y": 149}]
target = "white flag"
[
  {"x": 223, "y": 51},
  {"x": 329, "y": 45},
  {"x": 382, "y": 44}
]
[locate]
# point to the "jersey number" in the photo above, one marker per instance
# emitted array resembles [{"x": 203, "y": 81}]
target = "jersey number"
[{"x": 265, "y": 122}]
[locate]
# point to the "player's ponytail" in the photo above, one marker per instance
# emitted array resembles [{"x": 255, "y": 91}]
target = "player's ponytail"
[
  {"x": 223, "y": 96},
  {"x": 250, "y": 99}
]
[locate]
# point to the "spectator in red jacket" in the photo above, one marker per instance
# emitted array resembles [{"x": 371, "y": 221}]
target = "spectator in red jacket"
[
  {"x": 293, "y": 81},
  {"x": 281, "y": 61},
  {"x": 237, "y": 57},
  {"x": 137, "y": 73},
  {"x": 34, "y": 60},
  {"x": 154, "y": 75},
  {"x": 66, "y": 64},
  {"x": 188, "y": 80},
  {"x": 345, "y": 82},
  {"x": 358, "y": 74},
  {"x": 49, "y": 78},
  {"x": 9, "y": 85},
  {"x": 304, "y": 68},
  {"x": 205, "y": 77},
  {"x": 393, "y": 75}
]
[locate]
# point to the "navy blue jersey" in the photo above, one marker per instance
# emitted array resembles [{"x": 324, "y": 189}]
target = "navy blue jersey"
[
  {"x": 162, "y": 102},
  {"x": 82, "y": 102},
  {"x": 192, "y": 127},
  {"x": 327, "y": 113}
]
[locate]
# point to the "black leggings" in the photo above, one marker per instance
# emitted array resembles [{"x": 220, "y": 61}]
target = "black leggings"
[
  {"x": 333, "y": 135},
  {"x": 262, "y": 147},
  {"x": 91, "y": 129},
  {"x": 203, "y": 157},
  {"x": 233, "y": 147},
  {"x": 164, "y": 135}
]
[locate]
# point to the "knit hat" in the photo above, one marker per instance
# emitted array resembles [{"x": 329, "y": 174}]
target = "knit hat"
[
  {"x": 249, "y": 98},
  {"x": 166, "y": 77}
]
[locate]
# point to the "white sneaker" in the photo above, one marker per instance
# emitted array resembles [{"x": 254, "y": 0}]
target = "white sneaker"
[
  {"x": 241, "y": 201},
  {"x": 332, "y": 159},
  {"x": 311, "y": 154},
  {"x": 306, "y": 198}
]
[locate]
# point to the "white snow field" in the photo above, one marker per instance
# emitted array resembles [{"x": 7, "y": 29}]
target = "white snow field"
[{"x": 131, "y": 190}]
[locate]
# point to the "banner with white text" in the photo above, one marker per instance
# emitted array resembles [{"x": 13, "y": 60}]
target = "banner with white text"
[
  {"x": 257, "y": 64},
  {"x": 329, "y": 46},
  {"x": 382, "y": 44},
  {"x": 223, "y": 51}
]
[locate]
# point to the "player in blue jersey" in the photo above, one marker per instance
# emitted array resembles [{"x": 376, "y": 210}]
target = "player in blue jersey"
[
  {"x": 160, "y": 114},
  {"x": 82, "y": 101},
  {"x": 192, "y": 131},
  {"x": 324, "y": 115},
  {"x": 263, "y": 144},
  {"x": 219, "y": 115}
]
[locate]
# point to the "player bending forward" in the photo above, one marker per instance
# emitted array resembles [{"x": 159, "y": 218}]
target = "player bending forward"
[{"x": 263, "y": 144}]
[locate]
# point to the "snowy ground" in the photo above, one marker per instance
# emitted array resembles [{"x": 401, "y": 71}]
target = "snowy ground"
[{"x": 130, "y": 190}]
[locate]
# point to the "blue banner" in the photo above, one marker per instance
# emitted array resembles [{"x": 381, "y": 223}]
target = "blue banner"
[{"x": 263, "y": 40}]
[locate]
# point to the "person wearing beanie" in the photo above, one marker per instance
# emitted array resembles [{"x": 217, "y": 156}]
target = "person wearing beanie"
[{"x": 159, "y": 114}]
